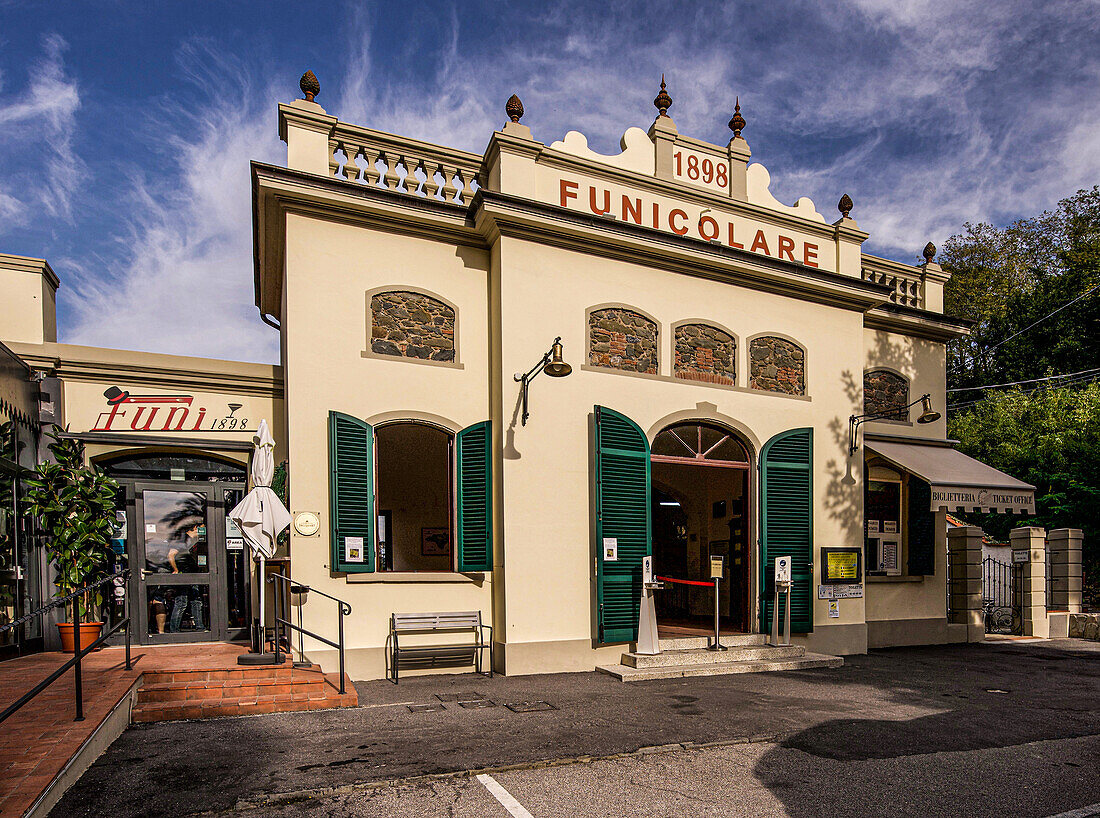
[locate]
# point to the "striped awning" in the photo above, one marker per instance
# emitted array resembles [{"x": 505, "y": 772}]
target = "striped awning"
[{"x": 958, "y": 482}]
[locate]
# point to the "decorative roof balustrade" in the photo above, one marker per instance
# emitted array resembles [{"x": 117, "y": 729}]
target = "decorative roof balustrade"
[
  {"x": 406, "y": 165},
  {"x": 906, "y": 282}
]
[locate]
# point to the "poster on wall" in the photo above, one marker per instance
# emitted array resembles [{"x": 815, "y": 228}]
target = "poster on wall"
[
  {"x": 353, "y": 549},
  {"x": 610, "y": 549},
  {"x": 841, "y": 566},
  {"x": 435, "y": 542},
  {"x": 889, "y": 557}
]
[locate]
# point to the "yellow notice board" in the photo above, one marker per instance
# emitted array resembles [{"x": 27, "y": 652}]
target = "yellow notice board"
[{"x": 841, "y": 565}]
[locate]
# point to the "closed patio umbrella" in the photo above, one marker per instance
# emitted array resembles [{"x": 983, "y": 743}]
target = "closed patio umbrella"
[{"x": 261, "y": 515}]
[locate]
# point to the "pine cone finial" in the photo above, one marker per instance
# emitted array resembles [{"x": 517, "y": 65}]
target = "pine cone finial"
[
  {"x": 514, "y": 108},
  {"x": 845, "y": 205},
  {"x": 309, "y": 85},
  {"x": 929, "y": 252},
  {"x": 737, "y": 124},
  {"x": 662, "y": 101}
]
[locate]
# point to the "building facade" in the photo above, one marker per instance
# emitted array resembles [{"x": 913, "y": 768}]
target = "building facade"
[
  {"x": 720, "y": 343},
  {"x": 739, "y": 381}
]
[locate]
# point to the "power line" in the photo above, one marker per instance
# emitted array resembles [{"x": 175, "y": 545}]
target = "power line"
[
  {"x": 1019, "y": 383},
  {"x": 1080, "y": 380},
  {"x": 1041, "y": 320}
]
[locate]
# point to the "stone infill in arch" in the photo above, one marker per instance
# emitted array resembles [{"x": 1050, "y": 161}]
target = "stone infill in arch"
[
  {"x": 885, "y": 394},
  {"x": 705, "y": 353},
  {"x": 777, "y": 365},
  {"x": 620, "y": 338},
  {"x": 412, "y": 325}
]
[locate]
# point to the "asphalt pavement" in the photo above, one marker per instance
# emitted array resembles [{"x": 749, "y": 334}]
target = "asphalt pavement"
[{"x": 1011, "y": 728}]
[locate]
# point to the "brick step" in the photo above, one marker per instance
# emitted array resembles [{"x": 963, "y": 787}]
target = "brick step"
[
  {"x": 271, "y": 699},
  {"x": 232, "y": 688},
  {"x": 702, "y": 656},
  {"x": 285, "y": 672},
  {"x": 625, "y": 673},
  {"x": 729, "y": 640}
]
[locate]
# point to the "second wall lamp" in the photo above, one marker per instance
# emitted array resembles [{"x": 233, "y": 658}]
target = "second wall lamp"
[{"x": 552, "y": 364}]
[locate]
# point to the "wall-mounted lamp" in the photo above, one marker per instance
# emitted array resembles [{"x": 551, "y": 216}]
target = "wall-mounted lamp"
[
  {"x": 927, "y": 415},
  {"x": 551, "y": 364}
]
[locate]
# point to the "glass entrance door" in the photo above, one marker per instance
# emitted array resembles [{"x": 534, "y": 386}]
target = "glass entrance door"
[{"x": 179, "y": 554}]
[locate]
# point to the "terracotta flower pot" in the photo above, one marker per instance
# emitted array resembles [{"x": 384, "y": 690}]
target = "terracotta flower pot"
[{"x": 89, "y": 632}]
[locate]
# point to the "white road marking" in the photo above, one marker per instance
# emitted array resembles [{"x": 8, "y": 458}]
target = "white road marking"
[
  {"x": 1083, "y": 812},
  {"x": 514, "y": 807}
]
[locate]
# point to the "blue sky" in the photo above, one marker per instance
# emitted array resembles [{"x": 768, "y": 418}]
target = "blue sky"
[{"x": 126, "y": 128}]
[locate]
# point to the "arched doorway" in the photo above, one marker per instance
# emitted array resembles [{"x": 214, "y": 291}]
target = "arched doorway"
[{"x": 701, "y": 508}]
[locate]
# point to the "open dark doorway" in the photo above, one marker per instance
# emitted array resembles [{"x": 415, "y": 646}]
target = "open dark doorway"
[{"x": 700, "y": 497}]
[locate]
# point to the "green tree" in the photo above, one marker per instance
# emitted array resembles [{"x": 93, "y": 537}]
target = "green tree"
[
  {"x": 1007, "y": 279},
  {"x": 1033, "y": 289}
]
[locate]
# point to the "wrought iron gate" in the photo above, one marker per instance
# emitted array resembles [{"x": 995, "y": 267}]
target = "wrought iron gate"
[{"x": 1001, "y": 589}]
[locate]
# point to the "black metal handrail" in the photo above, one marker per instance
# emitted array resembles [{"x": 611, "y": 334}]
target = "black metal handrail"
[
  {"x": 343, "y": 609},
  {"x": 78, "y": 652}
]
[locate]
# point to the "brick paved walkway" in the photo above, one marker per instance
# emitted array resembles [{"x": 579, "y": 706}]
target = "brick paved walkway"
[{"x": 37, "y": 742}]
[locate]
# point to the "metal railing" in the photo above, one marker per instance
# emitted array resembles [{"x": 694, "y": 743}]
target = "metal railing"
[
  {"x": 78, "y": 652},
  {"x": 283, "y": 584}
]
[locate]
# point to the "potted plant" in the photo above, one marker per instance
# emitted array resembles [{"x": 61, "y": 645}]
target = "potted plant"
[{"x": 75, "y": 506}]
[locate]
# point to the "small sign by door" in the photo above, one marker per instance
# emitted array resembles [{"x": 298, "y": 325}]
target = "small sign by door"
[{"x": 610, "y": 549}]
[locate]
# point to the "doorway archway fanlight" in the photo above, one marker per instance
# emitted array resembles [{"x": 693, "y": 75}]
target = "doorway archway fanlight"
[{"x": 696, "y": 442}]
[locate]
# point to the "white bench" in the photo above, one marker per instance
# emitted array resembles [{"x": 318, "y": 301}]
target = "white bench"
[{"x": 409, "y": 624}]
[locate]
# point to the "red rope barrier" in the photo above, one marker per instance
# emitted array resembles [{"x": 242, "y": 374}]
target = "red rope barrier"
[{"x": 687, "y": 581}]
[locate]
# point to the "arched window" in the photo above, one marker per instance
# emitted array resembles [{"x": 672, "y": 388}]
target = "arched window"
[
  {"x": 412, "y": 325},
  {"x": 885, "y": 394},
  {"x": 172, "y": 466},
  {"x": 620, "y": 338},
  {"x": 777, "y": 365},
  {"x": 705, "y": 353},
  {"x": 699, "y": 443}
]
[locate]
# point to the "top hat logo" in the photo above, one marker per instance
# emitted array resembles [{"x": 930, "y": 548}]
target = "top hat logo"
[{"x": 115, "y": 396}]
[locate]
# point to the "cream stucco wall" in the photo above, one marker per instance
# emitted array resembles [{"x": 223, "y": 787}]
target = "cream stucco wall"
[
  {"x": 330, "y": 269},
  {"x": 548, "y": 548},
  {"x": 28, "y": 309}
]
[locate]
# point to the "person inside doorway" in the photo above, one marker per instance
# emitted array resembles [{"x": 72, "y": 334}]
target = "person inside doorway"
[{"x": 188, "y": 557}]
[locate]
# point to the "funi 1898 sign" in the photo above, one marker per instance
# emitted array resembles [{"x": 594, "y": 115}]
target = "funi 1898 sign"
[{"x": 164, "y": 413}]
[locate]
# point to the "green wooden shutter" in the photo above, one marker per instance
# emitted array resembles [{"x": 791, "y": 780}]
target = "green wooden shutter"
[
  {"x": 622, "y": 512},
  {"x": 351, "y": 489},
  {"x": 921, "y": 534},
  {"x": 786, "y": 523},
  {"x": 474, "y": 542}
]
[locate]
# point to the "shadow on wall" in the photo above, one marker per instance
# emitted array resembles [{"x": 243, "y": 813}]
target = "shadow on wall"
[{"x": 844, "y": 491}]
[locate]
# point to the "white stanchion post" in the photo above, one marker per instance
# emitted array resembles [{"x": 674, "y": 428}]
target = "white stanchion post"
[{"x": 649, "y": 644}]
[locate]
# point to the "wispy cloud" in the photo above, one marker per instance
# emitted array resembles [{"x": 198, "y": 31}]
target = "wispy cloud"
[
  {"x": 928, "y": 113},
  {"x": 41, "y": 172},
  {"x": 183, "y": 281}
]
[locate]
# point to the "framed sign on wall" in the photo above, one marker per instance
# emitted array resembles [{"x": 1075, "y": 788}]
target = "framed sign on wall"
[{"x": 841, "y": 566}]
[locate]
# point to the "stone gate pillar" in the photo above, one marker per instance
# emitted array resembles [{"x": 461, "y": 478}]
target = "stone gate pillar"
[
  {"x": 1064, "y": 545},
  {"x": 1033, "y": 579},
  {"x": 964, "y": 545}
]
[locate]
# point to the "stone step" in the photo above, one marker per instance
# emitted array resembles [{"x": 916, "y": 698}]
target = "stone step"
[
  {"x": 729, "y": 640},
  {"x": 625, "y": 673},
  {"x": 702, "y": 656}
]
